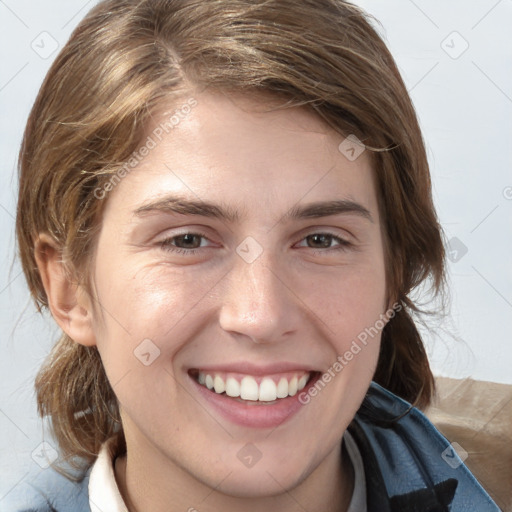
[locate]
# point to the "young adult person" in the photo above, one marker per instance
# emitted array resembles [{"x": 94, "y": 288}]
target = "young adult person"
[{"x": 226, "y": 205}]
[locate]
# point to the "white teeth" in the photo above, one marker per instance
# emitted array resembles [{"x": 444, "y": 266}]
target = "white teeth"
[
  {"x": 302, "y": 382},
  {"x": 268, "y": 390},
  {"x": 219, "y": 385},
  {"x": 232, "y": 387},
  {"x": 282, "y": 388},
  {"x": 292, "y": 386},
  {"x": 248, "y": 388}
]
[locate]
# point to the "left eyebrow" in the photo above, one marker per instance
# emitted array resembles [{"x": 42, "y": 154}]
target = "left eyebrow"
[{"x": 327, "y": 208}]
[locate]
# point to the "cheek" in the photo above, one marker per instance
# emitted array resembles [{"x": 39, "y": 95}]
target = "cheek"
[
  {"x": 149, "y": 300},
  {"x": 147, "y": 310},
  {"x": 351, "y": 307},
  {"x": 350, "y": 301}
]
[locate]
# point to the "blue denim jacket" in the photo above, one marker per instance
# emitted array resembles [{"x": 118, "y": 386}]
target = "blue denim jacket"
[{"x": 409, "y": 466}]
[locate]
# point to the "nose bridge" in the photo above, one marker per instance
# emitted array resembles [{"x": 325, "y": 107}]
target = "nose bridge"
[{"x": 255, "y": 302}]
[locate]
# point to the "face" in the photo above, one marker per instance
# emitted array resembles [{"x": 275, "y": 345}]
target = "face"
[{"x": 243, "y": 254}]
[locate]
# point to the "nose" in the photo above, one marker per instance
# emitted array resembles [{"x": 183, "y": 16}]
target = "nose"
[{"x": 258, "y": 303}]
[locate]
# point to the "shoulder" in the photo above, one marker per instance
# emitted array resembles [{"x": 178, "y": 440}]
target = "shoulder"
[
  {"x": 47, "y": 490},
  {"x": 407, "y": 459}
]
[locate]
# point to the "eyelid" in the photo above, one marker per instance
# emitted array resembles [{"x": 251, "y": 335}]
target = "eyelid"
[
  {"x": 175, "y": 232},
  {"x": 342, "y": 242},
  {"x": 167, "y": 239},
  {"x": 337, "y": 232}
]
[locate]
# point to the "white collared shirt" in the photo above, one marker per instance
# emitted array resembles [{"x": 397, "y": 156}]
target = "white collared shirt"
[
  {"x": 103, "y": 490},
  {"x": 104, "y": 493},
  {"x": 358, "y": 500}
]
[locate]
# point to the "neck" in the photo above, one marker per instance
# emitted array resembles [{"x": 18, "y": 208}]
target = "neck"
[{"x": 155, "y": 483}]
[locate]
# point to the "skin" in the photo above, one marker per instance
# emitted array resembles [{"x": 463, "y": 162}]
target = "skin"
[{"x": 301, "y": 301}]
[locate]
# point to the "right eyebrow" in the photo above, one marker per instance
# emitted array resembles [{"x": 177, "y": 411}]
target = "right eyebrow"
[{"x": 184, "y": 206}]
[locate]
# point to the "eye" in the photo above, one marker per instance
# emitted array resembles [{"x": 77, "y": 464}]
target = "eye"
[
  {"x": 185, "y": 243},
  {"x": 324, "y": 241}
]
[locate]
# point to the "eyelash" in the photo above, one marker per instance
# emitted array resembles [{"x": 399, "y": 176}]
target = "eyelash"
[
  {"x": 343, "y": 244},
  {"x": 167, "y": 243}
]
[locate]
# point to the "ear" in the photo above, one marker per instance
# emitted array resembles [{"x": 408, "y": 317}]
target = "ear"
[{"x": 69, "y": 303}]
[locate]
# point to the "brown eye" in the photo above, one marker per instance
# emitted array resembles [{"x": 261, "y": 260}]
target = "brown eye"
[
  {"x": 319, "y": 241},
  {"x": 325, "y": 242},
  {"x": 188, "y": 241}
]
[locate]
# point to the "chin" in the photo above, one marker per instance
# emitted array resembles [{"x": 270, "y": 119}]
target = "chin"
[{"x": 259, "y": 482}]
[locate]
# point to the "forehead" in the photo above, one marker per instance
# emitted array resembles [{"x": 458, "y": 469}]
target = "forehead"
[
  {"x": 245, "y": 151},
  {"x": 245, "y": 124}
]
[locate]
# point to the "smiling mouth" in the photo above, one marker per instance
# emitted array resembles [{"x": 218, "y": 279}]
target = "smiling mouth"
[{"x": 267, "y": 389}]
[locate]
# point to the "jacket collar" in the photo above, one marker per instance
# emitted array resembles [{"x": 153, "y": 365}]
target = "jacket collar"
[
  {"x": 435, "y": 499},
  {"x": 408, "y": 464}
]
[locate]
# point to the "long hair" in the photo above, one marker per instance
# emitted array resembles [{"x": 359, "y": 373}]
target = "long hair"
[{"x": 129, "y": 57}]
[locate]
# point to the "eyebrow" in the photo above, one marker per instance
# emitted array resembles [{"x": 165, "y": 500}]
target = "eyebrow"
[
  {"x": 184, "y": 206},
  {"x": 327, "y": 208}
]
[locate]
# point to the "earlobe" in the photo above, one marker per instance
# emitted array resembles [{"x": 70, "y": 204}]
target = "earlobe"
[{"x": 68, "y": 302}]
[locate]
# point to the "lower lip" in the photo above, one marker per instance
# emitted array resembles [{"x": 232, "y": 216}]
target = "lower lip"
[{"x": 253, "y": 413}]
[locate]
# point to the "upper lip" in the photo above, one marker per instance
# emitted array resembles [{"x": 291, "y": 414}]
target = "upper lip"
[{"x": 248, "y": 368}]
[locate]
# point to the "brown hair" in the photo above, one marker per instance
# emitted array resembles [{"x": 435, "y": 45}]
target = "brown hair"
[{"x": 129, "y": 56}]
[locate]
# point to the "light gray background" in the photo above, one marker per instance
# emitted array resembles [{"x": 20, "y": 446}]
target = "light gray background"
[{"x": 464, "y": 101}]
